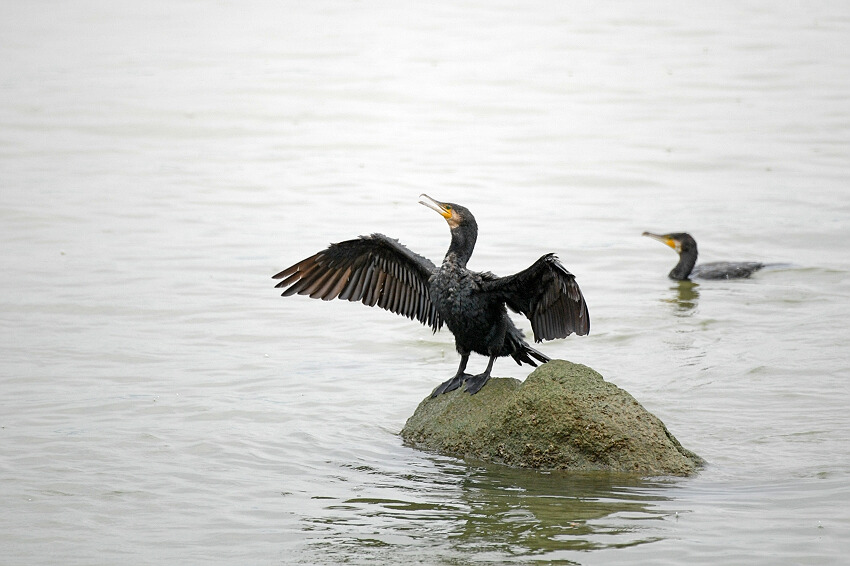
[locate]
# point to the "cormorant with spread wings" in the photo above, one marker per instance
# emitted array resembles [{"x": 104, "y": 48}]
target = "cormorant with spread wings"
[{"x": 377, "y": 270}]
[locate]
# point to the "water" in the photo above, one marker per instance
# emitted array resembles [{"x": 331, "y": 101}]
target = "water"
[{"x": 160, "y": 161}]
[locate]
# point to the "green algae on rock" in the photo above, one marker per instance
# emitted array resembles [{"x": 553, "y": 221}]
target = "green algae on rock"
[{"x": 565, "y": 416}]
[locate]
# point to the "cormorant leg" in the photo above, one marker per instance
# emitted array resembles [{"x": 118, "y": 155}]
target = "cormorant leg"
[
  {"x": 476, "y": 382},
  {"x": 456, "y": 381}
]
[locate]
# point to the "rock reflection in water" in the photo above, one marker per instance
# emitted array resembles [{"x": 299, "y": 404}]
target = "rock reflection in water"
[
  {"x": 494, "y": 514},
  {"x": 523, "y": 512}
]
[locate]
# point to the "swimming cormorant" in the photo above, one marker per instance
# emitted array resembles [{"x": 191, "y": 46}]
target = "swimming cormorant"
[
  {"x": 378, "y": 270},
  {"x": 686, "y": 247}
]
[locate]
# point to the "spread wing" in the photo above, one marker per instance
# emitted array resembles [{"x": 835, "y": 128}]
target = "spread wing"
[
  {"x": 548, "y": 295},
  {"x": 375, "y": 270}
]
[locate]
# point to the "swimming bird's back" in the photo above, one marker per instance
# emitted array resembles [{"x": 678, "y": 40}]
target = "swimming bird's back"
[{"x": 726, "y": 270}]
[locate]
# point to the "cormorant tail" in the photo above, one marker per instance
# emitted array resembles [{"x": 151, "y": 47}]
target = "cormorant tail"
[{"x": 525, "y": 353}]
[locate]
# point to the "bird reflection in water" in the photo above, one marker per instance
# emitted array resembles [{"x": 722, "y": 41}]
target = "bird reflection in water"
[{"x": 684, "y": 298}]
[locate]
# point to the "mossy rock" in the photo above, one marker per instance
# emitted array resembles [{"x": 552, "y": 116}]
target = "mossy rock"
[{"x": 565, "y": 416}]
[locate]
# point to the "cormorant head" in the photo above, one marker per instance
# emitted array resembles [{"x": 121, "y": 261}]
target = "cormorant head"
[
  {"x": 463, "y": 227},
  {"x": 685, "y": 246},
  {"x": 455, "y": 214},
  {"x": 682, "y": 242}
]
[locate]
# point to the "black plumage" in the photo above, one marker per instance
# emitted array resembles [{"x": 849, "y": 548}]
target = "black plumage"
[
  {"x": 377, "y": 270},
  {"x": 686, "y": 247}
]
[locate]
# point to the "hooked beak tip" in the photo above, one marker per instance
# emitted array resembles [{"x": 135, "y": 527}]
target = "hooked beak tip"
[{"x": 434, "y": 205}]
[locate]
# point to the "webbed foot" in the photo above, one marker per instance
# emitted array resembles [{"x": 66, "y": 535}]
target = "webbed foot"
[
  {"x": 476, "y": 382},
  {"x": 451, "y": 384}
]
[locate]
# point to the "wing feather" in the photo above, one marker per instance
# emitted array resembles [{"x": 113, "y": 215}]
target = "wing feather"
[
  {"x": 318, "y": 287},
  {"x": 548, "y": 295},
  {"x": 352, "y": 284},
  {"x": 374, "y": 270},
  {"x": 342, "y": 279}
]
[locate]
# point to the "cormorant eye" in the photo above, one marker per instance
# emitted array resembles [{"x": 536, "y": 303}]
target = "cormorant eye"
[{"x": 448, "y": 207}]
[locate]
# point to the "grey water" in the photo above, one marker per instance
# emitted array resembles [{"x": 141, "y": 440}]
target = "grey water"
[{"x": 160, "y": 403}]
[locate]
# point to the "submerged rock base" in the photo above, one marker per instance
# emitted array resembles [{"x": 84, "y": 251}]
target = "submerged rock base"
[{"x": 564, "y": 416}]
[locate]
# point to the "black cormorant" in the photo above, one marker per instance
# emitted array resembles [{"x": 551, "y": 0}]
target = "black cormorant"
[
  {"x": 378, "y": 270},
  {"x": 686, "y": 247}
]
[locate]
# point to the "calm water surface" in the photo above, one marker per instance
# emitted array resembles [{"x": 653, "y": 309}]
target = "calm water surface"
[{"x": 161, "y": 404}]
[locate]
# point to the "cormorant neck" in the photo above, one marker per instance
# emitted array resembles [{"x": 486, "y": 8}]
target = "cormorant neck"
[
  {"x": 463, "y": 242},
  {"x": 687, "y": 261}
]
